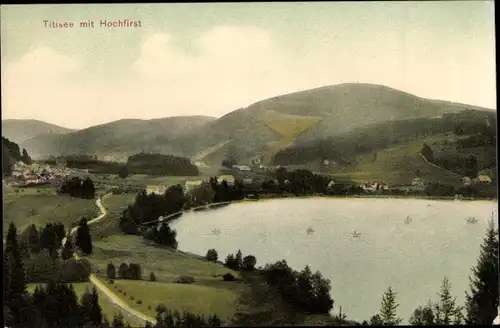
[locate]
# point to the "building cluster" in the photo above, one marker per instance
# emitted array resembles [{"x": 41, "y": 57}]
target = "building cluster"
[
  {"x": 36, "y": 174},
  {"x": 375, "y": 186}
]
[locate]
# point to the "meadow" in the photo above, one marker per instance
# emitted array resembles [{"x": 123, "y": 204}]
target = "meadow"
[
  {"x": 207, "y": 294},
  {"x": 398, "y": 166},
  {"x": 25, "y": 206}
]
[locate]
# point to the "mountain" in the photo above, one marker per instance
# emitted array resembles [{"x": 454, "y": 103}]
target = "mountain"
[
  {"x": 120, "y": 138},
  {"x": 276, "y": 123},
  {"x": 22, "y": 130}
]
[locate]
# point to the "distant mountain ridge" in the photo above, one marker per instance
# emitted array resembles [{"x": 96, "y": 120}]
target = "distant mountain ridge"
[
  {"x": 258, "y": 130},
  {"x": 21, "y": 130},
  {"x": 125, "y": 137}
]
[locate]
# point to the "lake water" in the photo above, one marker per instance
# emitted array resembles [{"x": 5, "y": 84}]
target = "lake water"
[{"x": 412, "y": 258}]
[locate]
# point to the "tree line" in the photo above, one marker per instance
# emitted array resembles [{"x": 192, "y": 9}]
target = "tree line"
[
  {"x": 75, "y": 187},
  {"x": 11, "y": 154},
  {"x": 142, "y": 163}
]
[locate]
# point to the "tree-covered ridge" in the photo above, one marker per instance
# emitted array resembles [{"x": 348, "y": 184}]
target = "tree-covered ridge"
[
  {"x": 479, "y": 125},
  {"x": 11, "y": 154},
  {"x": 142, "y": 163}
]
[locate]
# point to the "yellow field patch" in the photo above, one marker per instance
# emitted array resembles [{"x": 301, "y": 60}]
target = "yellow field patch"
[{"x": 288, "y": 126}]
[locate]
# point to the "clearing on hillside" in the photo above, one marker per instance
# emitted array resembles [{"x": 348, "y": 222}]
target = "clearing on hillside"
[
  {"x": 397, "y": 166},
  {"x": 288, "y": 126}
]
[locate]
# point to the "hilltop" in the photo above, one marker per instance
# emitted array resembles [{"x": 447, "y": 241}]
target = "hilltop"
[
  {"x": 262, "y": 129},
  {"x": 323, "y": 112},
  {"x": 123, "y": 137},
  {"x": 22, "y": 130}
]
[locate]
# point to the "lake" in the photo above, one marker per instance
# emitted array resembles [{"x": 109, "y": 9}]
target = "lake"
[{"x": 412, "y": 258}]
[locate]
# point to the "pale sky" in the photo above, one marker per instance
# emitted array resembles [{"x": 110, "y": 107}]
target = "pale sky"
[{"x": 211, "y": 59}]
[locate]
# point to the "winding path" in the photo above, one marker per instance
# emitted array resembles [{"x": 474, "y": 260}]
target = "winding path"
[
  {"x": 101, "y": 286},
  {"x": 439, "y": 167}
]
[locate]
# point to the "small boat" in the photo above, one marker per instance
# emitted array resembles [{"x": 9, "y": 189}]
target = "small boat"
[
  {"x": 408, "y": 219},
  {"x": 356, "y": 234},
  {"x": 310, "y": 231},
  {"x": 216, "y": 231},
  {"x": 471, "y": 220}
]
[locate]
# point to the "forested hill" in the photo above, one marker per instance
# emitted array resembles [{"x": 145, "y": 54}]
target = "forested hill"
[
  {"x": 11, "y": 154},
  {"x": 344, "y": 148}
]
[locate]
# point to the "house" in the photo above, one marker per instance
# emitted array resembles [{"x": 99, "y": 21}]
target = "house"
[
  {"x": 229, "y": 179},
  {"x": 330, "y": 184},
  {"x": 483, "y": 179},
  {"x": 156, "y": 189},
  {"x": 374, "y": 186},
  {"x": 247, "y": 181},
  {"x": 200, "y": 164},
  {"x": 241, "y": 167},
  {"x": 191, "y": 184},
  {"x": 466, "y": 181},
  {"x": 417, "y": 182}
]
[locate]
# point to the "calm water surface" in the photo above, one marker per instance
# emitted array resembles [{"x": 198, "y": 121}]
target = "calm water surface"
[{"x": 412, "y": 258}]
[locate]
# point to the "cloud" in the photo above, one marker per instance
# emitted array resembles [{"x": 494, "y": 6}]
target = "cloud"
[{"x": 229, "y": 67}]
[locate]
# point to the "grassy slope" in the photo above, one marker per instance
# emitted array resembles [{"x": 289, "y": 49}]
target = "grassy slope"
[
  {"x": 30, "y": 206},
  {"x": 397, "y": 165},
  {"x": 208, "y": 292},
  {"x": 109, "y": 309},
  {"x": 21, "y": 130}
]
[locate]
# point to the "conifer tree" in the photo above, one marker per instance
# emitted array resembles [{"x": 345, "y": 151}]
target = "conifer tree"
[
  {"x": 16, "y": 295},
  {"x": 482, "y": 300},
  {"x": 111, "y": 271},
  {"x": 67, "y": 251},
  {"x": 83, "y": 238},
  {"x": 239, "y": 259},
  {"x": 446, "y": 311},
  {"x": 422, "y": 316},
  {"x": 388, "y": 308},
  {"x": 96, "y": 312}
]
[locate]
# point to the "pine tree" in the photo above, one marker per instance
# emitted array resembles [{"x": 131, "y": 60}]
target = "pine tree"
[
  {"x": 388, "y": 309},
  {"x": 482, "y": 301},
  {"x": 83, "y": 238},
  {"x": 96, "y": 312},
  {"x": 118, "y": 321},
  {"x": 239, "y": 259},
  {"x": 67, "y": 251},
  {"x": 111, "y": 271},
  {"x": 422, "y": 316},
  {"x": 446, "y": 311},
  {"x": 17, "y": 297},
  {"x": 86, "y": 306}
]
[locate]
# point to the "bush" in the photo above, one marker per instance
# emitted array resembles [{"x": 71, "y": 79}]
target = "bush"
[
  {"x": 124, "y": 293},
  {"x": 228, "y": 277},
  {"x": 152, "y": 276},
  {"x": 185, "y": 280},
  {"x": 149, "y": 307},
  {"x": 138, "y": 302},
  {"x": 160, "y": 308},
  {"x": 111, "y": 281},
  {"x": 119, "y": 290},
  {"x": 131, "y": 298}
]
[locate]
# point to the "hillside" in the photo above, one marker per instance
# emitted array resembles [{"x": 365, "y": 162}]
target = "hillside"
[
  {"x": 461, "y": 142},
  {"x": 120, "y": 138},
  {"x": 22, "y": 130},
  {"x": 335, "y": 109}
]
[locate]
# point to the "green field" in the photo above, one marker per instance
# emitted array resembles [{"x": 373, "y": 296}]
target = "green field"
[
  {"x": 195, "y": 298},
  {"x": 207, "y": 293},
  {"x": 109, "y": 309},
  {"x": 40, "y": 206},
  {"x": 115, "y": 205},
  {"x": 397, "y": 166}
]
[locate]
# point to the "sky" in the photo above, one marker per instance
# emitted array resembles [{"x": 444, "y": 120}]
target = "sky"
[{"x": 213, "y": 58}]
